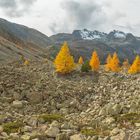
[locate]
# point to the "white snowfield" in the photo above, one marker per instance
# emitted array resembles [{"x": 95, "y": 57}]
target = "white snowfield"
[{"x": 90, "y": 35}]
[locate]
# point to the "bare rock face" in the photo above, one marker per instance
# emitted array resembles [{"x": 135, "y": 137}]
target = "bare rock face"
[
  {"x": 34, "y": 97},
  {"x": 52, "y": 132},
  {"x": 17, "y": 104},
  {"x": 62, "y": 136},
  {"x": 77, "y": 137}
]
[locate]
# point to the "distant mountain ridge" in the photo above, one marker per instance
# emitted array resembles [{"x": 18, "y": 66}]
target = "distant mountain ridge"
[
  {"x": 17, "y": 40},
  {"x": 83, "y": 42}
]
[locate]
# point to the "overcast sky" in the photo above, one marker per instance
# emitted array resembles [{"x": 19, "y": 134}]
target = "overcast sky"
[{"x": 54, "y": 16}]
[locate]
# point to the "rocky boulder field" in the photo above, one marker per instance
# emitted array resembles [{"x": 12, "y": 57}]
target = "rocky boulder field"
[{"x": 38, "y": 104}]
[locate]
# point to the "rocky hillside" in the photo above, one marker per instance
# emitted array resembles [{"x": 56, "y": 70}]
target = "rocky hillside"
[
  {"x": 37, "y": 104},
  {"x": 17, "y": 40}
]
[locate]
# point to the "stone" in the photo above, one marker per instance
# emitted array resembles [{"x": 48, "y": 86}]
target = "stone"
[
  {"x": 54, "y": 124},
  {"x": 52, "y": 132},
  {"x": 65, "y": 126},
  {"x": 64, "y": 111},
  {"x": 109, "y": 120},
  {"x": 94, "y": 138},
  {"x": 17, "y": 104},
  {"x": 115, "y": 131},
  {"x": 14, "y": 136},
  {"x": 25, "y": 137},
  {"x": 27, "y": 129},
  {"x": 62, "y": 136},
  {"x": 34, "y": 97},
  {"x": 33, "y": 121},
  {"x": 77, "y": 137},
  {"x": 4, "y": 134},
  {"x": 111, "y": 109},
  {"x": 1, "y": 129},
  {"x": 137, "y": 124},
  {"x": 2, "y": 118}
]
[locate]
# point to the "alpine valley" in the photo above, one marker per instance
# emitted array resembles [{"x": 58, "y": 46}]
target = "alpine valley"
[{"x": 17, "y": 40}]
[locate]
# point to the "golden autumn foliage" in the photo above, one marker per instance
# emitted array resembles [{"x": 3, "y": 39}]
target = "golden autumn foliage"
[
  {"x": 80, "y": 61},
  {"x": 135, "y": 67},
  {"x": 26, "y": 63},
  {"x": 64, "y": 62},
  {"x": 94, "y": 62},
  {"x": 108, "y": 62},
  {"x": 114, "y": 63}
]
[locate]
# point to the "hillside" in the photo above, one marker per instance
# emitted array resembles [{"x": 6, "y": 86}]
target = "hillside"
[
  {"x": 37, "y": 104},
  {"x": 17, "y": 40}
]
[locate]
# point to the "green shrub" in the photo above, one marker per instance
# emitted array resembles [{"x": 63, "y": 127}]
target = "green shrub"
[{"x": 86, "y": 67}]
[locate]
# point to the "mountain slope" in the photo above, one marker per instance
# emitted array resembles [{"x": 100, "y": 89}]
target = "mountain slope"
[{"x": 21, "y": 40}]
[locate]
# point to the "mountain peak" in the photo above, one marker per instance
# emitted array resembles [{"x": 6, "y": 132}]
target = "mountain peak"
[
  {"x": 116, "y": 34},
  {"x": 86, "y": 34}
]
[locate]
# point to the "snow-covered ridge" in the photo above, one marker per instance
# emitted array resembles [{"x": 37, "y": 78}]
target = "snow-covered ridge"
[{"x": 90, "y": 35}]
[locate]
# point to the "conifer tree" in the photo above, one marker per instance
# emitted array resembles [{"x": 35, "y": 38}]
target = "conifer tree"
[
  {"x": 94, "y": 62},
  {"x": 80, "y": 61},
  {"x": 135, "y": 67},
  {"x": 114, "y": 64},
  {"x": 108, "y": 62},
  {"x": 26, "y": 63},
  {"x": 64, "y": 62}
]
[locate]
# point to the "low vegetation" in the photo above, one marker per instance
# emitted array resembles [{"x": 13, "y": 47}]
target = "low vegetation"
[
  {"x": 95, "y": 132},
  {"x": 12, "y": 127},
  {"x": 128, "y": 120},
  {"x": 51, "y": 117}
]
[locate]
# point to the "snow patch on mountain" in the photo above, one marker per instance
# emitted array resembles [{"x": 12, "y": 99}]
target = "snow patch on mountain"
[
  {"x": 118, "y": 34},
  {"x": 90, "y": 35}
]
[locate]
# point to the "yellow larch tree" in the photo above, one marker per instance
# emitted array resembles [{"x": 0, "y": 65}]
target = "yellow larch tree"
[
  {"x": 135, "y": 67},
  {"x": 80, "y": 61},
  {"x": 114, "y": 64},
  {"x": 64, "y": 62},
  {"x": 108, "y": 62},
  {"x": 94, "y": 62},
  {"x": 26, "y": 62}
]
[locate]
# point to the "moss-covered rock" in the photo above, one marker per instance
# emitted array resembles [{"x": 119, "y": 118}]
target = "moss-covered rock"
[
  {"x": 95, "y": 132},
  {"x": 12, "y": 127},
  {"x": 50, "y": 117}
]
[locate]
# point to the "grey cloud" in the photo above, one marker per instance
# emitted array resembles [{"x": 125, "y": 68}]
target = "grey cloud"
[
  {"x": 80, "y": 14},
  {"x": 16, "y": 8},
  {"x": 7, "y": 3},
  {"x": 27, "y": 2},
  {"x": 85, "y": 14}
]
